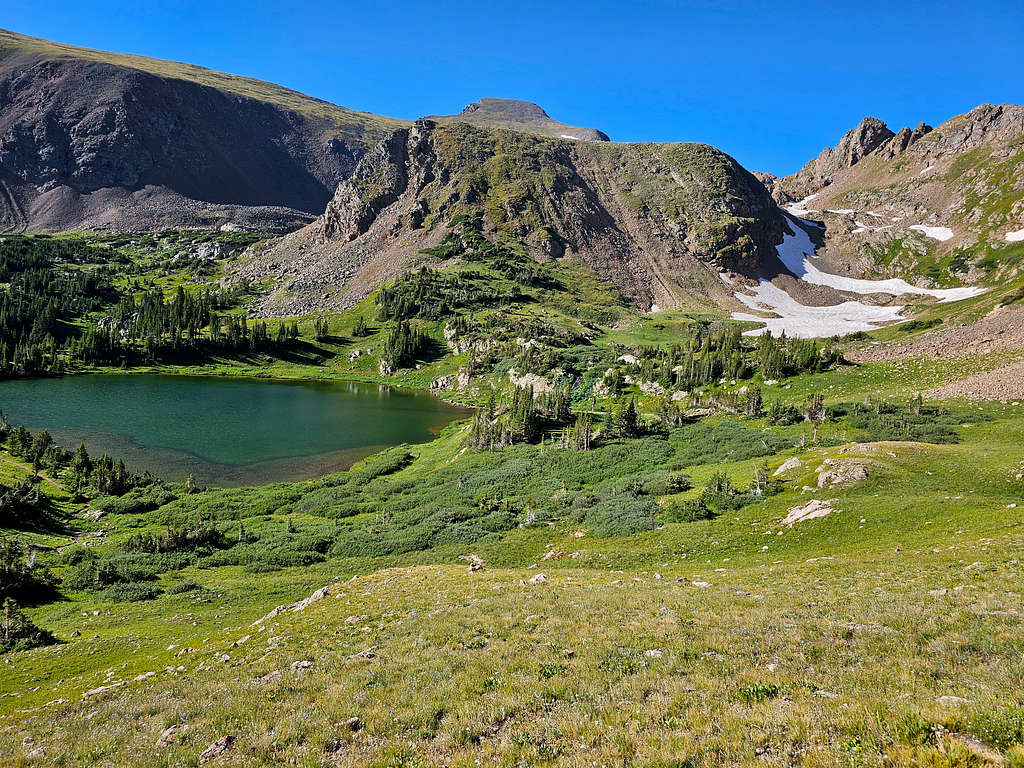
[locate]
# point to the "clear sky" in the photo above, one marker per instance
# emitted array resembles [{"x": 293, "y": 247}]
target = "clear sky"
[{"x": 770, "y": 83}]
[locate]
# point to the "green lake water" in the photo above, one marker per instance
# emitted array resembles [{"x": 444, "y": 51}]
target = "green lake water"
[{"x": 225, "y": 431}]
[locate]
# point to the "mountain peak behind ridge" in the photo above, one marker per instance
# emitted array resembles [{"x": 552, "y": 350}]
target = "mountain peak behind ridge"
[{"x": 518, "y": 115}]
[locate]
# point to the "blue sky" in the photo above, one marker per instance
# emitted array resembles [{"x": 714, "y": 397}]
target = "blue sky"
[{"x": 770, "y": 83}]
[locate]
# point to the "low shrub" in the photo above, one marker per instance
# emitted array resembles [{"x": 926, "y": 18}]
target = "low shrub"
[
  {"x": 130, "y": 592},
  {"x": 621, "y": 515},
  {"x": 188, "y": 585}
]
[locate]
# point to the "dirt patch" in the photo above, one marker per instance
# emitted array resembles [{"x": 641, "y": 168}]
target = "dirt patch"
[
  {"x": 1002, "y": 329},
  {"x": 1002, "y": 384}
]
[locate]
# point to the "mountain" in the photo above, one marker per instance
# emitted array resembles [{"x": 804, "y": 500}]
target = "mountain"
[
  {"x": 519, "y": 116},
  {"x": 95, "y": 139},
  {"x": 946, "y": 203},
  {"x": 658, "y": 221}
]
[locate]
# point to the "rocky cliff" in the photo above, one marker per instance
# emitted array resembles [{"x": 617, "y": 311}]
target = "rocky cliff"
[
  {"x": 89, "y": 139},
  {"x": 869, "y": 134},
  {"x": 659, "y": 221},
  {"x": 946, "y": 203}
]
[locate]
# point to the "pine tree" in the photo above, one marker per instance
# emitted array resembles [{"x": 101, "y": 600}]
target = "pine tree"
[
  {"x": 81, "y": 466},
  {"x": 627, "y": 424},
  {"x": 17, "y": 631},
  {"x": 580, "y": 436}
]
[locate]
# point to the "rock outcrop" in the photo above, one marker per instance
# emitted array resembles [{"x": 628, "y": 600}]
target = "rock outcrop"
[
  {"x": 659, "y": 221},
  {"x": 869, "y": 134}
]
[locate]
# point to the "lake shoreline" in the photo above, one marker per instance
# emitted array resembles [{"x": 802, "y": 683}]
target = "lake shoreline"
[{"x": 227, "y": 430}]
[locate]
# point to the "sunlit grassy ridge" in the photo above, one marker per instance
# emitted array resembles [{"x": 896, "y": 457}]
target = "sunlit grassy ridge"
[{"x": 346, "y": 120}]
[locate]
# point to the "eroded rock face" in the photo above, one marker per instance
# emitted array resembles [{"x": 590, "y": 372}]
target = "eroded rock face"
[
  {"x": 376, "y": 184},
  {"x": 856, "y": 144},
  {"x": 659, "y": 221},
  {"x": 80, "y": 139}
]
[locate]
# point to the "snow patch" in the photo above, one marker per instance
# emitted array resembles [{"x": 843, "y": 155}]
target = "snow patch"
[
  {"x": 942, "y": 234},
  {"x": 800, "y": 208},
  {"x": 567, "y": 136},
  {"x": 929, "y": 168},
  {"x": 805, "y": 322},
  {"x": 728, "y": 280},
  {"x": 796, "y": 319},
  {"x": 1014, "y": 237},
  {"x": 655, "y": 308},
  {"x": 843, "y": 211},
  {"x": 797, "y": 247}
]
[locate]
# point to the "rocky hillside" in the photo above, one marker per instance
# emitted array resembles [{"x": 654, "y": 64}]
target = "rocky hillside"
[
  {"x": 659, "y": 221},
  {"x": 945, "y": 203},
  {"x": 519, "y": 116},
  {"x": 93, "y": 139}
]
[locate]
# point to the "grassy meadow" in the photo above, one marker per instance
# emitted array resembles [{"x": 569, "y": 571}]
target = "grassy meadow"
[
  {"x": 885, "y": 633},
  {"x": 641, "y": 603}
]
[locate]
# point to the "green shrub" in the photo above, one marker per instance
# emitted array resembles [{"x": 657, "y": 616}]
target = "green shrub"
[
  {"x": 130, "y": 592},
  {"x": 704, "y": 443},
  {"x": 678, "y": 482},
  {"x": 759, "y": 692},
  {"x": 783, "y": 414},
  {"x": 28, "y": 584},
  {"x": 918, "y": 325},
  {"x": 621, "y": 515},
  {"x": 687, "y": 511},
  {"x": 548, "y": 670},
  {"x": 188, "y": 585},
  {"x": 17, "y": 632}
]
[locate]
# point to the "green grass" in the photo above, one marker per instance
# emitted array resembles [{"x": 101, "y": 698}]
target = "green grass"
[
  {"x": 724, "y": 641},
  {"x": 828, "y": 642}
]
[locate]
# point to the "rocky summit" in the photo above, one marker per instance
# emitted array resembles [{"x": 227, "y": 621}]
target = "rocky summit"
[{"x": 520, "y": 116}]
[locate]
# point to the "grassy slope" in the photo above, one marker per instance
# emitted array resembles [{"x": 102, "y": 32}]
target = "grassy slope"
[
  {"x": 346, "y": 120},
  {"x": 844, "y": 615},
  {"x": 846, "y": 618}
]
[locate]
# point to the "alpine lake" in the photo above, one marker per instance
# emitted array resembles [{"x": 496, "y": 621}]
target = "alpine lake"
[{"x": 225, "y": 431}]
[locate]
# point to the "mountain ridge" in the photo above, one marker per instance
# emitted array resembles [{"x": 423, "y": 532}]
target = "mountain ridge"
[
  {"x": 942, "y": 201},
  {"x": 114, "y": 141},
  {"x": 658, "y": 221}
]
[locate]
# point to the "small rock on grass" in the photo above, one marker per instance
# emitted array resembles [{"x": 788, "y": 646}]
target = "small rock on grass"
[
  {"x": 218, "y": 748},
  {"x": 540, "y": 578},
  {"x": 354, "y": 724},
  {"x": 168, "y": 736}
]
